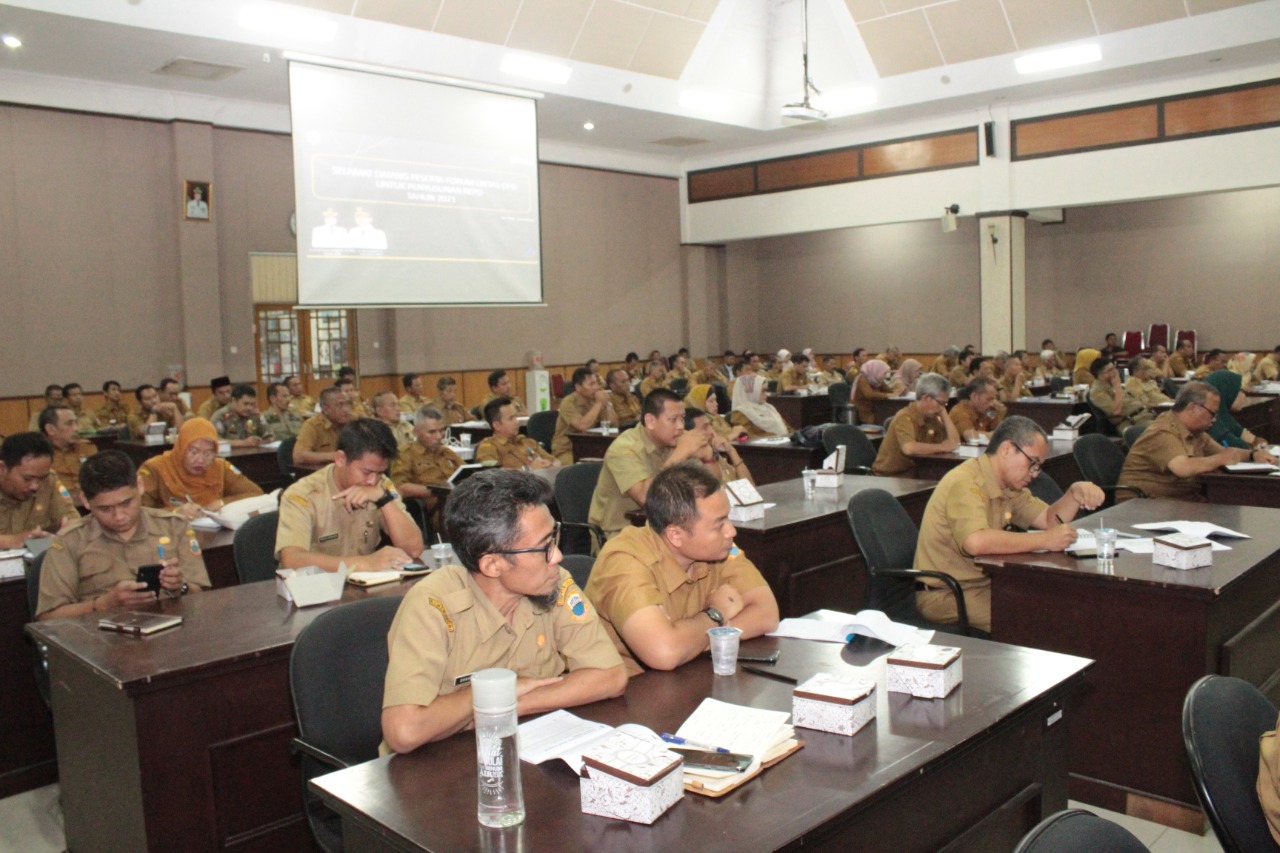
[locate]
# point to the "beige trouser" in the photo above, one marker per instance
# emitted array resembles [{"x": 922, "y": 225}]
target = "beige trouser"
[{"x": 939, "y": 605}]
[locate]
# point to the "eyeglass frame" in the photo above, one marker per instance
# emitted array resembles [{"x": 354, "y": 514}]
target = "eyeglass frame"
[
  {"x": 1037, "y": 465},
  {"x": 545, "y": 550}
]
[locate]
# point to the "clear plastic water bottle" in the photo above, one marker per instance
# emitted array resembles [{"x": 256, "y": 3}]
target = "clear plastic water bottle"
[{"x": 499, "y": 798}]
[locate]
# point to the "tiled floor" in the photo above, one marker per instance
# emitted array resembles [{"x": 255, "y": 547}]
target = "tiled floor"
[{"x": 32, "y": 823}]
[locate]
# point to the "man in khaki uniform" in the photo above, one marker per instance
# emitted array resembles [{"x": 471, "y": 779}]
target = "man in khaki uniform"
[
  {"x": 52, "y": 397},
  {"x": 318, "y": 439},
  {"x": 1120, "y": 406},
  {"x": 412, "y": 399},
  {"x": 582, "y": 410},
  {"x": 92, "y": 565},
  {"x": 507, "y": 448},
  {"x": 625, "y": 404},
  {"x": 796, "y": 376},
  {"x": 680, "y": 370},
  {"x": 656, "y": 378},
  {"x": 171, "y": 392},
  {"x": 1183, "y": 360},
  {"x": 923, "y": 428},
  {"x": 1011, "y": 385},
  {"x": 69, "y": 451},
  {"x": 386, "y": 408},
  {"x": 1142, "y": 385},
  {"x": 221, "y": 388},
  {"x": 338, "y": 514},
  {"x": 947, "y": 362},
  {"x": 1268, "y": 786},
  {"x": 152, "y": 410},
  {"x": 351, "y": 390},
  {"x": 282, "y": 421},
  {"x": 637, "y": 455},
  {"x": 73, "y": 396},
  {"x": 892, "y": 357},
  {"x": 32, "y": 501},
  {"x": 1268, "y": 367},
  {"x": 500, "y": 386},
  {"x": 1172, "y": 453},
  {"x": 425, "y": 461},
  {"x": 114, "y": 413},
  {"x": 299, "y": 400},
  {"x": 238, "y": 422},
  {"x": 453, "y": 411},
  {"x": 972, "y": 509},
  {"x": 1215, "y": 359},
  {"x": 509, "y": 605},
  {"x": 660, "y": 587},
  {"x": 978, "y": 414}
]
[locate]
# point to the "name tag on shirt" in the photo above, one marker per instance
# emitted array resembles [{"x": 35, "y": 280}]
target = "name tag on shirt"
[
  {"x": 462, "y": 679},
  {"x": 329, "y": 538}
]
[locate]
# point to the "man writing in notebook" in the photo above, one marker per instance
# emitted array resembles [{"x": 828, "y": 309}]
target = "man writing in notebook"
[
  {"x": 660, "y": 587},
  {"x": 508, "y": 604}
]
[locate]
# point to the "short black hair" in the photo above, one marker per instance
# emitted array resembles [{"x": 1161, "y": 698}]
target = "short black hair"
[
  {"x": 496, "y": 376},
  {"x": 49, "y": 389},
  {"x": 367, "y": 435},
  {"x": 66, "y": 389},
  {"x": 674, "y": 493},
  {"x": 631, "y": 356},
  {"x": 799, "y": 358},
  {"x": 976, "y": 364},
  {"x": 287, "y": 378},
  {"x": 691, "y": 414},
  {"x": 244, "y": 389},
  {"x": 106, "y": 386},
  {"x": 493, "y": 409},
  {"x": 49, "y": 416},
  {"x": 582, "y": 374},
  {"x": 407, "y": 379},
  {"x": 445, "y": 382},
  {"x": 137, "y": 392},
  {"x": 344, "y": 380},
  {"x": 656, "y": 400},
  {"x": 166, "y": 382},
  {"x": 1213, "y": 353},
  {"x": 328, "y": 394},
  {"x": 483, "y": 512},
  {"x": 1100, "y": 364},
  {"x": 20, "y": 445},
  {"x": 271, "y": 389},
  {"x": 105, "y": 472},
  {"x": 346, "y": 371}
]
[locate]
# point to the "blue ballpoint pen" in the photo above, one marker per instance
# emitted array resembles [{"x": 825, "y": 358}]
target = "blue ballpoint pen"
[{"x": 680, "y": 741}]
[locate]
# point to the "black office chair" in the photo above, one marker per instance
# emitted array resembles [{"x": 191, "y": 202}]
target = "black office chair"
[
  {"x": 336, "y": 674},
  {"x": 1105, "y": 426},
  {"x": 1058, "y": 383},
  {"x": 839, "y": 394},
  {"x": 574, "y": 487},
  {"x": 1133, "y": 433},
  {"x": 859, "y": 451},
  {"x": 254, "y": 548},
  {"x": 1222, "y": 718},
  {"x": 542, "y": 428},
  {"x": 417, "y": 509},
  {"x": 41, "y": 659},
  {"x": 1101, "y": 461},
  {"x": 679, "y": 387},
  {"x": 1169, "y": 388},
  {"x": 284, "y": 458},
  {"x": 886, "y": 536},
  {"x": 579, "y": 565},
  {"x": 1075, "y": 831},
  {"x": 1045, "y": 488}
]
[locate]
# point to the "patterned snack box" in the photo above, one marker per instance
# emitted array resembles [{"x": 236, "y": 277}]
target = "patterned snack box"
[
  {"x": 841, "y": 704},
  {"x": 628, "y": 778},
  {"x": 926, "y": 672},
  {"x": 1180, "y": 551}
]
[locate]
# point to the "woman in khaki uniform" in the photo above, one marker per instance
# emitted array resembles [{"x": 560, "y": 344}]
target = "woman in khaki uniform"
[{"x": 191, "y": 477}]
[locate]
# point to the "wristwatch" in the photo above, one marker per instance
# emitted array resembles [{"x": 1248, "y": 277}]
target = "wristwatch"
[
  {"x": 715, "y": 615},
  {"x": 387, "y": 497}
]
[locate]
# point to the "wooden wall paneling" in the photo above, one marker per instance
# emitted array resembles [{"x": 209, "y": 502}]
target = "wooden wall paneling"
[
  {"x": 914, "y": 155},
  {"x": 827, "y": 167},
  {"x": 1238, "y": 108},
  {"x": 13, "y": 415},
  {"x": 1083, "y": 131},
  {"x": 722, "y": 183}
]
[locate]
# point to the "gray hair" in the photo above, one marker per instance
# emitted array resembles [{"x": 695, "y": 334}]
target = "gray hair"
[
  {"x": 428, "y": 413},
  {"x": 1194, "y": 392},
  {"x": 483, "y": 513},
  {"x": 932, "y": 385},
  {"x": 1016, "y": 429},
  {"x": 951, "y": 351}
]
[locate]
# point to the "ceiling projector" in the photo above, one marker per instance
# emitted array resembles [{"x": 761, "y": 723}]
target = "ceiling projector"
[{"x": 803, "y": 112}]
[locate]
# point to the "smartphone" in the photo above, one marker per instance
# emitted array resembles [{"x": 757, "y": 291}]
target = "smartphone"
[
  {"x": 713, "y": 760},
  {"x": 150, "y": 575},
  {"x": 1079, "y": 554},
  {"x": 758, "y": 656}
]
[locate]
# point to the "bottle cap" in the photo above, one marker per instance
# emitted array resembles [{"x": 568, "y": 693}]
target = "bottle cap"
[{"x": 493, "y": 690}]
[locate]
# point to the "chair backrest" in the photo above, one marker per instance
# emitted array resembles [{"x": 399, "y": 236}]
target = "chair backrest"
[
  {"x": 1222, "y": 718},
  {"x": 1133, "y": 433},
  {"x": 1186, "y": 335},
  {"x": 284, "y": 457},
  {"x": 886, "y": 536},
  {"x": 1169, "y": 388},
  {"x": 33, "y": 583},
  {"x": 1075, "y": 831},
  {"x": 838, "y": 393},
  {"x": 1057, "y": 383},
  {"x": 1159, "y": 336},
  {"x": 679, "y": 387},
  {"x": 254, "y": 548},
  {"x": 557, "y": 385},
  {"x": 40, "y": 661},
  {"x": 579, "y": 565},
  {"x": 574, "y": 488},
  {"x": 542, "y": 428},
  {"x": 1102, "y": 419},
  {"x": 1133, "y": 343},
  {"x": 1045, "y": 488},
  {"x": 1100, "y": 460},
  {"x": 859, "y": 452},
  {"x": 336, "y": 674}
]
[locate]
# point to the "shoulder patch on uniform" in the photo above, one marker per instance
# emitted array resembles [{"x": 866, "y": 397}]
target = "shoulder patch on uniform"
[
  {"x": 299, "y": 500},
  {"x": 572, "y": 598},
  {"x": 56, "y": 546},
  {"x": 976, "y": 491},
  {"x": 144, "y": 471},
  {"x": 448, "y": 620},
  {"x": 62, "y": 490}
]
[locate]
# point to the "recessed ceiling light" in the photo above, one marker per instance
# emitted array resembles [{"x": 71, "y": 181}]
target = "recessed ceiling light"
[
  {"x": 543, "y": 70},
  {"x": 588, "y": 125},
  {"x": 288, "y": 22},
  {"x": 10, "y": 40},
  {"x": 1061, "y": 57}
]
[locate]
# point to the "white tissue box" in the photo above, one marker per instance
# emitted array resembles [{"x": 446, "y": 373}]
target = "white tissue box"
[
  {"x": 926, "y": 672},
  {"x": 828, "y": 478},
  {"x": 1182, "y": 551},
  {"x": 628, "y": 778},
  {"x": 833, "y": 703},
  {"x": 1064, "y": 433},
  {"x": 151, "y": 440},
  {"x": 310, "y": 585},
  {"x": 746, "y": 513}
]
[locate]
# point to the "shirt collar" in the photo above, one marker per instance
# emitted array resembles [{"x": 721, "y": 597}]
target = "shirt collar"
[
  {"x": 146, "y": 527},
  {"x": 988, "y": 480},
  {"x": 667, "y": 569},
  {"x": 489, "y": 620}
]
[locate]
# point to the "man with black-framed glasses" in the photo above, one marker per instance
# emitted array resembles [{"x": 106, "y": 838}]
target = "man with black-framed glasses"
[
  {"x": 981, "y": 507},
  {"x": 508, "y": 604}
]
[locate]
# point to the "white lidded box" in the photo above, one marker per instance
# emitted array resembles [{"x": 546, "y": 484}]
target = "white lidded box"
[
  {"x": 926, "y": 672},
  {"x": 629, "y": 778},
  {"x": 1182, "y": 551},
  {"x": 841, "y": 704}
]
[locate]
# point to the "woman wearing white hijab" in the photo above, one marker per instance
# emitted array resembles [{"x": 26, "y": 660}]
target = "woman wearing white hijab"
[{"x": 750, "y": 410}]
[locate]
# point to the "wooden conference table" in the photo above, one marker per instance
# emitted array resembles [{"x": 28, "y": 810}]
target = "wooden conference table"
[
  {"x": 1153, "y": 631},
  {"x": 180, "y": 741},
  {"x": 1246, "y": 489},
  {"x": 768, "y": 461},
  {"x": 972, "y": 772}
]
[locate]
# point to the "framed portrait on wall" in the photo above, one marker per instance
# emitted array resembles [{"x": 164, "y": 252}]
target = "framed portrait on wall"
[{"x": 197, "y": 199}]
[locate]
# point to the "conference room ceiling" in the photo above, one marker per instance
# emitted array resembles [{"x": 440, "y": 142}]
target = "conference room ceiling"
[{"x": 675, "y": 79}]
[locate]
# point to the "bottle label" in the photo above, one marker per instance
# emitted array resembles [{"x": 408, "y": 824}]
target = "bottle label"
[{"x": 489, "y": 755}]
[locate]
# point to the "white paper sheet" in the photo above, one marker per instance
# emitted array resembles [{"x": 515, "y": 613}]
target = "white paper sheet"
[{"x": 1203, "y": 529}]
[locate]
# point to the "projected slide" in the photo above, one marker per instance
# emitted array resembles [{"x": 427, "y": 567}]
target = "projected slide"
[{"x": 413, "y": 193}]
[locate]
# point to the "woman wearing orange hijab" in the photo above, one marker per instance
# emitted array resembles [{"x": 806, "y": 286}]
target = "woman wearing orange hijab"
[{"x": 191, "y": 477}]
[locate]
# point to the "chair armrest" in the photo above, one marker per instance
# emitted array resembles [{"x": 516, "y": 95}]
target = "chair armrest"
[
  {"x": 962, "y": 612},
  {"x": 1118, "y": 488},
  {"x": 597, "y": 532},
  {"x": 298, "y": 745}
]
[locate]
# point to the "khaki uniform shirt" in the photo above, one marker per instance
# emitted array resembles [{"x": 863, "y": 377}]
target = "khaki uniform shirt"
[
  {"x": 304, "y": 405},
  {"x": 1147, "y": 465},
  {"x": 208, "y": 408},
  {"x": 626, "y": 406},
  {"x": 318, "y": 435},
  {"x": 515, "y": 401},
  {"x": 403, "y": 432},
  {"x": 514, "y": 452},
  {"x": 676, "y": 373},
  {"x": 943, "y": 366},
  {"x": 864, "y": 398},
  {"x": 235, "y": 485},
  {"x": 720, "y": 425},
  {"x": 84, "y": 561},
  {"x": 966, "y": 417},
  {"x": 910, "y": 424},
  {"x": 1266, "y": 370},
  {"x": 631, "y": 459},
  {"x": 424, "y": 465},
  {"x": 958, "y": 377},
  {"x": 234, "y": 427},
  {"x": 1268, "y": 786},
  {"x": 1010, "y": 388},
  {"x": 636, "y": 570},
  {"x": 454, "y": 413},
  {"x": 282, "y": 425},
  {"x": 650, "y": 384},
  {"x": 312, "y": 520},
  {"x": 1132, "y": 412},
  {"x": 447, "y": 628},
  {"x": 966, "y": 500},
  {"x": 411, "y": 403},
  {"x": 85, "y": 421},
  {"x": 45, "y": 509},
  {"x": 1179, "y": 365},
  {"x": 66, "y": 463},
  {"x": 1146, "y": 392},
  {"x": 572, "y": 408},
  {"x": 138, "y": 422},
  {"x": 788, "y": 380},
  {"x": 109, "y": 412}
]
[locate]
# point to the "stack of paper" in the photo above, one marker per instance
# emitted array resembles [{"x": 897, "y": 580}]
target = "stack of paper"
[
  {"x": 11, "y": 563},
  {"x": 565, "y": 736},
  {"x": 842, "y": 627}
]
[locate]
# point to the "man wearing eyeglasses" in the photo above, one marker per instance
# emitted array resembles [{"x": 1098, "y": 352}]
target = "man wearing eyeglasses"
[
  {"x": 660, "y": 587},
  {"x": 921, "y": 429},
  {"x": 1167, "y": 461},
  {"x": 509, "y": 604},
  {"x": 982, "y": 507}
]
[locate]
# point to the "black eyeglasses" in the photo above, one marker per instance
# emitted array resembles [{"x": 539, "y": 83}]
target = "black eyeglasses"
[
  {"x": 1213, "y": 412},
  {"x": 544, "y": 550},
  {"x": 1036, "y": 464}
]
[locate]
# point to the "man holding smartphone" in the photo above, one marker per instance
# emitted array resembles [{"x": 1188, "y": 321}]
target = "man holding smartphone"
[{"x": 93, "y": 564}]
